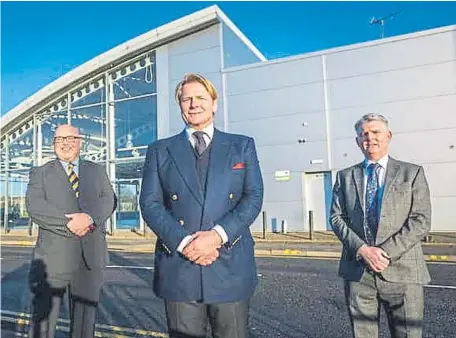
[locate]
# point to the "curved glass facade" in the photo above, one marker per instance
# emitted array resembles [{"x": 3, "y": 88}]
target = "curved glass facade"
[{"x": 116, "y": 113}]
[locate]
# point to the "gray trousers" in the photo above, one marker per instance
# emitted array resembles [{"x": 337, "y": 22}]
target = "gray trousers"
[
  {"x": 192, "y": 319},
  {"x": 83, "y": 287},
  {"x": 403, "y": 303}
]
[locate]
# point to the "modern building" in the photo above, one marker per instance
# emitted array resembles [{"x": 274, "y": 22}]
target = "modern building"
[{"x": 300, "y": 110}]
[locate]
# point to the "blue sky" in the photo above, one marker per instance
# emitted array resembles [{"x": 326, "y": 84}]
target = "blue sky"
[{"x": 41, "y": 41}]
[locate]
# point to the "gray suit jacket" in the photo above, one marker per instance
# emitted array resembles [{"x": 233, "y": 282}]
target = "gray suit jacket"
[
  {"x": 49, "y": 197},
  {"x": 404, "y": 220}
]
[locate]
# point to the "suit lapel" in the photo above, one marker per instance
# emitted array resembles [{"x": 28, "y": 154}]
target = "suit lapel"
[
  {"x": 220, "y": 150},
  {"x": 60, "y": 173},
  {"x": 392, "y": 169},
  {"x": 358, "y": 178},
  {"x": 81, "y": 173},
  {"x": 184, "y": 158}
]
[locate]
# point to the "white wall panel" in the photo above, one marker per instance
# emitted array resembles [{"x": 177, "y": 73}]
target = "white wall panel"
[
  {"x": 439, "y": 187},
  {"x": 202, "y": 40},
  {"x": 276, "y": 102},
  {"x": 425, "y": 147},
  {"x": 275, "y": 75},
  {"x": 294, "y": 157},
  {"x": 443, "y": 214},
  {"x": 404, "y": 116},
  {"x": 345, "y": 153},
  {"x": 282, "y": 191},
  {"x": 202, "y": 62},
  {"x": 389, "y": 56},
  {"x": 283, "y": 129},
  {"x": 411, "y": 83}
]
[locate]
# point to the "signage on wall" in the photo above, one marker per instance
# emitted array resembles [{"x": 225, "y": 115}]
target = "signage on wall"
[{"x": 282, "y": 175}]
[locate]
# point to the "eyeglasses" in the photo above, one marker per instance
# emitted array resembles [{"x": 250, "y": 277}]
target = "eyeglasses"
[{"x": 68, "y": 139}]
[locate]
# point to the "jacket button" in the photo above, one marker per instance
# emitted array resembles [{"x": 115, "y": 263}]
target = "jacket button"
[
  {"x": 231, "y": 196},
  {"x": 181, "y": 221},
  {"x": 174, "y": 197}
]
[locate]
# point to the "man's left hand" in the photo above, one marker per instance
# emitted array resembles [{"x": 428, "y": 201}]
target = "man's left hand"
[
  {"x": 79, "y": 223},
  {"x": 203, "y": 244}
]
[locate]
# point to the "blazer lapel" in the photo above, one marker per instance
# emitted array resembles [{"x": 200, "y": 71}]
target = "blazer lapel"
[
  {"x": 220, "y": 150},
  {"x": 184, "y": 158},
  {"x": 358, "y": 178},
  {"x": 392, "y": 169}
]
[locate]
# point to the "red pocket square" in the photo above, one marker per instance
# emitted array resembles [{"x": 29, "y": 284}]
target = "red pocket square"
[{"x": 239, "y": 165}]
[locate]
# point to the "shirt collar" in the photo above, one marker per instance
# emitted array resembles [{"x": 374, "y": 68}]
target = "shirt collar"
[
  {"x": 209, "y": 131},
  {"x": 75, "y": 162},
  {"x": 383, "y": 162}
]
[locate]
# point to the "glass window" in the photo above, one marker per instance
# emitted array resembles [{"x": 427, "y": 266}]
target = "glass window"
[
  {"x": 88, "y": 95},
  {"x": 17, "y": 212},
  {"x": 136, "y": 126},
  {"x": 138, "y": 83},
  {"x": 21, "y": 149},
  {"x": 91, "y": 122}
]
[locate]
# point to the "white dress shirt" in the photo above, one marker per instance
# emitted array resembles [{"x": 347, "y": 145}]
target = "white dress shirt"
[
  {"x": 75, "y": 166},
  {"x": 208, "y": 135}
]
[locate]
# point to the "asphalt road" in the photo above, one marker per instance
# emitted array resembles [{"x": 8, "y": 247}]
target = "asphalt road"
[{"x": 296, "y": 298}]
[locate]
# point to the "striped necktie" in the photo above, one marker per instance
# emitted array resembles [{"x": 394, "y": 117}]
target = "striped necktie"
[{"x": 73, "y": 178}]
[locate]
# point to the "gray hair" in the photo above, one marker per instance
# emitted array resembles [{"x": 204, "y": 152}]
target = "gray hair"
[{"x": 368, "y": 118}]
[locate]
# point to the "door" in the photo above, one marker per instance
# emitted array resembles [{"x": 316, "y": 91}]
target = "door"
[
  {"x": 318, "y": 194},
  {"x": 127, "y": 214}
]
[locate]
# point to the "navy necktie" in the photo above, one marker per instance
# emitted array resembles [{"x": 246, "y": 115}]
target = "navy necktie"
[
  {"x": 200, "y": 143},
  {"x": 372, "y": 203}
]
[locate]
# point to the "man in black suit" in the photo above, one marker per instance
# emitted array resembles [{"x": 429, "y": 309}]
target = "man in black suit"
[{"x": 70, "y": 199}]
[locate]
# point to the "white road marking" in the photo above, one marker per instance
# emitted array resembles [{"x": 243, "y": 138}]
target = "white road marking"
[
  {"x": 132, "y": 267},
  {"x": 441, "y": 287}
]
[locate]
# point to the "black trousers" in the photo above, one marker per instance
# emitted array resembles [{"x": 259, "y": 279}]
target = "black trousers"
[
  {"x": 82, "y": 286},
  {"x": 192, "y": 319}
]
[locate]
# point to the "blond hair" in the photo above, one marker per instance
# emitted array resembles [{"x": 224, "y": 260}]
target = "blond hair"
[{"x": 189, "y": 78}]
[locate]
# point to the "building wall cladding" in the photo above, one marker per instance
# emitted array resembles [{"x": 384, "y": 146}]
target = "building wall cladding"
[{"x": 318, "y": 97}]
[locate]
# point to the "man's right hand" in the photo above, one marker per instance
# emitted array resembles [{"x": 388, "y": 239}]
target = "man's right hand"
[
  {"x": 208, "y": 259},
  {"x": 377, "y": 259}
]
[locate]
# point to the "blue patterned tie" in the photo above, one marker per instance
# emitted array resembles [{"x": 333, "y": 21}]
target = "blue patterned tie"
[{"x": 371, "y": 219}]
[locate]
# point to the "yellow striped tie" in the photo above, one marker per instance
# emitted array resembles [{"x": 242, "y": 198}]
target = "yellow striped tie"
[{"x": 74, "y": 180}]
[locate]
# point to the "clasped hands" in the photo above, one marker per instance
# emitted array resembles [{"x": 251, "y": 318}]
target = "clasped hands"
[
  {"x": 377, "y": 259},
  {"x": 203, "y": 248},
  {"x": 79, "y": 223}
]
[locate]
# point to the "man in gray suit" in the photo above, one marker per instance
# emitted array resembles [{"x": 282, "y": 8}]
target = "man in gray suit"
[
  {"x": 380, "y": 211},
  {"x": 70, "y": 199}
]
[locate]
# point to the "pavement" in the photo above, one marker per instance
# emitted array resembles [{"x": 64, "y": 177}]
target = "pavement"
[{"x": 438, "y": 247}]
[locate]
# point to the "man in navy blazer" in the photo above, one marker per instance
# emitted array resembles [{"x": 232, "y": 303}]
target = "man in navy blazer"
[{"x": 201, "y": 191}]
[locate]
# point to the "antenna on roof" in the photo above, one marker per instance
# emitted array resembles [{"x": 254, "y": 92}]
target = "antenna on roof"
[{"x": 382, "y": 20}]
